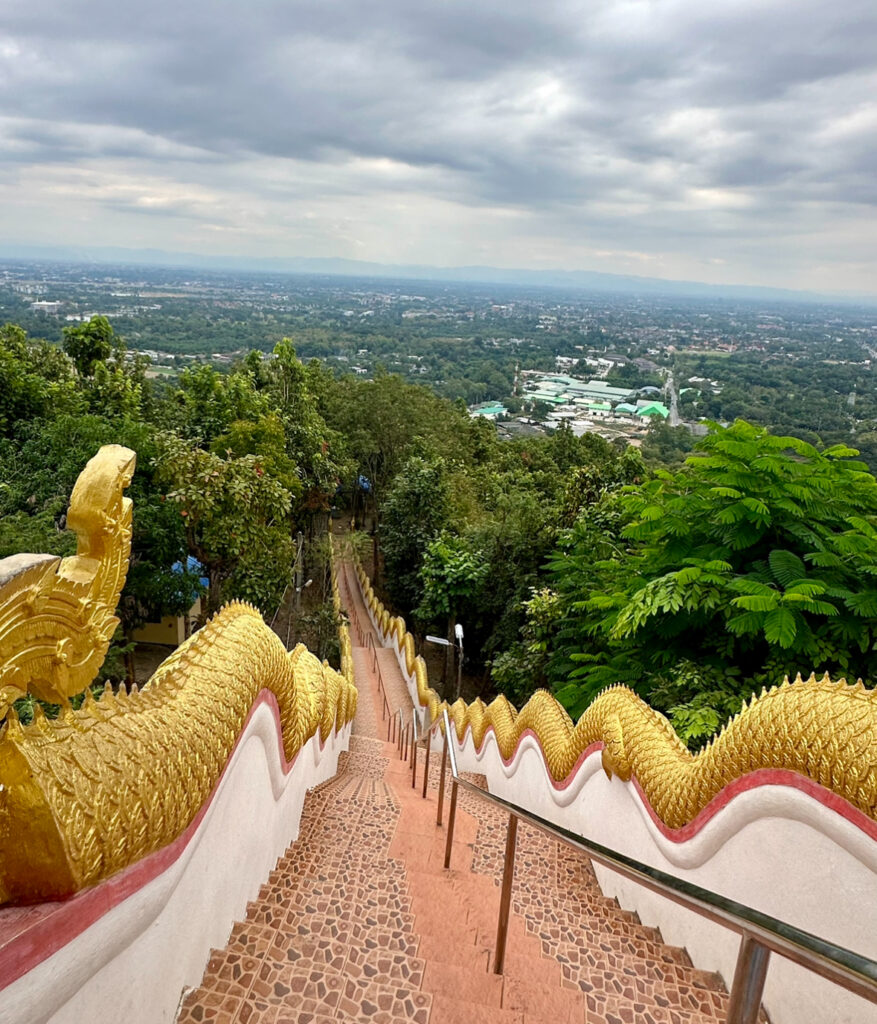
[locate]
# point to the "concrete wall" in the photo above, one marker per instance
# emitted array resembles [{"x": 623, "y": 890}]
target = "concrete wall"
[
  {"x": 778, "y": 845},
  {"x": 133, "y": 962}
]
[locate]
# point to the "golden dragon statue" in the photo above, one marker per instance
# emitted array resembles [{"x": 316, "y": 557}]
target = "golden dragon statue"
[
  {"x": 93, "y": 791},
  {"x": 822, "y": 729}
]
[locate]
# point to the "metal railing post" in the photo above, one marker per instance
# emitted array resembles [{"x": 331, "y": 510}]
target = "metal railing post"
[
  {"x": 441, "y": 796},
  {"x": 413, "y": 751},
  {"x": 505, "y": 900},
  {"x": 452, "y": 817},
  {"x": 426, "y": 762},
  {"x": 749, "y": 977}
]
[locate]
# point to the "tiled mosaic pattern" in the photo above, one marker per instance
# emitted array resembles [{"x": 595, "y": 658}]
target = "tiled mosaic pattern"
[{"x": 330, "y": 936}]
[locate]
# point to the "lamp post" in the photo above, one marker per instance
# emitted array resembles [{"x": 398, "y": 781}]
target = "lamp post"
[{"x": 442, "y": 642}]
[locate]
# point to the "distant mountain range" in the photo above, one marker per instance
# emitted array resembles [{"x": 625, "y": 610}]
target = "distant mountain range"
[{"x": 569, "y": 279}]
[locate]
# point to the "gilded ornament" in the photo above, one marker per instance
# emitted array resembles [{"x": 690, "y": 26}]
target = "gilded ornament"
[{"x": 95, "y": 790}]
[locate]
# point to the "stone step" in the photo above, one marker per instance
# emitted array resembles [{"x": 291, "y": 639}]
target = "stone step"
[
  {"x": 535, "y": 998},
  {"x": 448, "y": 1010},
  {"x": 568, "y": 938},
  {"x": 482, "y": 989},
  {"x": 641, "y": 987},
  {"x": 455, "y": 949},
  {"x": 297, "y": 991}
]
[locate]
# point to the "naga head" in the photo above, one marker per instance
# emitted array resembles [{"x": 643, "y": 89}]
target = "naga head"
[{"x": 57, "y": 616}]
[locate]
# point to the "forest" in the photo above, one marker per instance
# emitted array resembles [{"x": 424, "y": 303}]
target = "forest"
[{"x": 693, "y": 572}]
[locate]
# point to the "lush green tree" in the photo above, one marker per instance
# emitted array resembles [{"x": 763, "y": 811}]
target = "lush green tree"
[
  {"x": 36, "y": 380},
  {"x": 415, "y": 510},
  {"x": 90, "y": 343},
  {"x": 385, "y": 421},
  {"x": 206, "y": 402},
  {"x": 235, "y": 520},
  {"x": 318, "y": 452},
  {"x": 665, "y": 445},
  {"x": 759, "y": 555},
  {"x": 452, "y": 574},
  {"x": 266, "y": 439}
]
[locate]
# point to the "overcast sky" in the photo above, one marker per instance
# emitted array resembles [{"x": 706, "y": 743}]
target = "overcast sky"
[{"x": 717, "y": 140}]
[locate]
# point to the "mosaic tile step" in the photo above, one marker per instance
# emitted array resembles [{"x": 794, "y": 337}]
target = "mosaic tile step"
[
  {"x": 642, "y": 989},
  {"x": 374, "y": 901},
  {"x": 571, "y": 945}
]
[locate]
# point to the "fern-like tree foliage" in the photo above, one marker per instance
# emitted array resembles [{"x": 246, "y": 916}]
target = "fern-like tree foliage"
[{"x": 758, "y": 558}]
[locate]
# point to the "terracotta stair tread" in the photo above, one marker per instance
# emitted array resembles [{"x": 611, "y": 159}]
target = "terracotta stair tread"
[
  {"x": 476, "y": 959},
  {"x": 562, "y": 1005},
  {"x": 619, "y": 1011},
  {"x": 476, "y": 988},
  {"x": 448, "y": 1010},
  {"x": 347, "y": 997},
  {"x": 634, "y": 964}
]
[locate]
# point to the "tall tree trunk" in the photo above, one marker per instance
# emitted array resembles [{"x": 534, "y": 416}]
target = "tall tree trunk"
[{"x": 214, "y": 595}]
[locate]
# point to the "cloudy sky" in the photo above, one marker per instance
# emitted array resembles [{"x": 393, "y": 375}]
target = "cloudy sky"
[{"x": 716, "y": 140}]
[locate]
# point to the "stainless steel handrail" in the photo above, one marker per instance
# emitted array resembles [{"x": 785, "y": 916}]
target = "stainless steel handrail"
[{"x": 761, "y": 934}]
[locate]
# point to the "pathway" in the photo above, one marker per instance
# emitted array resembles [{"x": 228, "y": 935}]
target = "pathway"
[{"x": 360, "y": 922}]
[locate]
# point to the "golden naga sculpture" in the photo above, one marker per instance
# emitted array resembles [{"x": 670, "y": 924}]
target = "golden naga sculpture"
[
  {"x": 97, "y": 789},
  {"x": 57, "y": 616},
  {"x": 824, "y": 730}
]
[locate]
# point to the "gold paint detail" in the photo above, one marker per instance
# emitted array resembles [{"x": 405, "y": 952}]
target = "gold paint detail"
[
  {"x": 96, "y": 790},
  {"x": 822, "y": 729}
]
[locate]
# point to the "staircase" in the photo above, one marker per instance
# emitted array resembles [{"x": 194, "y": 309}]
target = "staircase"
[{"x": 359, "y": 921}]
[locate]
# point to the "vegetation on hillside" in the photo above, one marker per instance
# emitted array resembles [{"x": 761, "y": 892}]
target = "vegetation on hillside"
[{"x": 693, "y": 572}]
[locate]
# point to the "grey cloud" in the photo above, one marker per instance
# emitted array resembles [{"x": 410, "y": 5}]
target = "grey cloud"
[{"x": 563, "y": 106}]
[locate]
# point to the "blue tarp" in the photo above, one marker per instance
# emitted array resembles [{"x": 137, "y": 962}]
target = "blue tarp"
[{"x": 193, "y": 568}]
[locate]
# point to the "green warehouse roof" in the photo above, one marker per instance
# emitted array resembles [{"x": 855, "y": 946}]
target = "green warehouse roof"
[{"x": 654, "y": 409}]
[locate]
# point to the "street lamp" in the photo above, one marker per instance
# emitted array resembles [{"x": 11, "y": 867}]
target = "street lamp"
[
  {"x": 298, "y": 591},
  {"x": 442, "y": 642}
]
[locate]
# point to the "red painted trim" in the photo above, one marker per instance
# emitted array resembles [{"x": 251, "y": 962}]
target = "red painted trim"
[
  {"x": 754, "y": 780},
  {"x": 30, "y": 935},
  {"x": 761, "y": 777}
]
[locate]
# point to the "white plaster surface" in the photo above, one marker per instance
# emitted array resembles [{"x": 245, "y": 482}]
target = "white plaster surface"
[
  {"x": 772, "y": 848},
  {"x": 134, "y": 962}
]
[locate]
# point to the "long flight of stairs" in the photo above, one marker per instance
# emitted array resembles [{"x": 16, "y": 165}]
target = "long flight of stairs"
[{"x": 360, "y": 922}]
